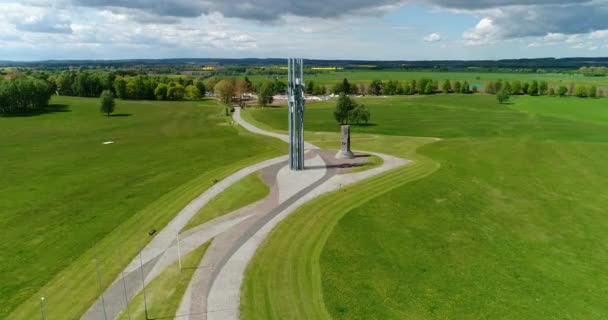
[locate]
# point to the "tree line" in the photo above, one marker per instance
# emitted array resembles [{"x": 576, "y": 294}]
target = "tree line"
[
  {"x": 541, "y": 88},
  {"x": 23, "y": 95},
  {"x": 410, "y": 87},
  {"x": 428, "y": 87}
]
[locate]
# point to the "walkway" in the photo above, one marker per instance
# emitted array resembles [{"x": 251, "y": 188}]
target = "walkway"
[{"x": 214, "y": 291}]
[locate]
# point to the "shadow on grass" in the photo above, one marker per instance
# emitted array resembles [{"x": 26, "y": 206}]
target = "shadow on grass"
[
  {"x": 356, "y": 125},
  {"x": 53, "y": 108},
  {"x": 118, "y": 115},
  {"x": 336, "y": 166}
]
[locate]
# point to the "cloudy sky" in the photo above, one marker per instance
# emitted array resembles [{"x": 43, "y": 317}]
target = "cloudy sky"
[{"x": 346, "y": 29}]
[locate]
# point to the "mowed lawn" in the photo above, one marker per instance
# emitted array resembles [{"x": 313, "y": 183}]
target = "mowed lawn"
[
  {"x": 513, "y": 225},
  {"x": 67, "y": 198}
]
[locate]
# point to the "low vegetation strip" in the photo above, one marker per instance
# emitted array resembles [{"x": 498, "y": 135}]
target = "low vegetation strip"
[
  {"x": 288, "y": 285},
  {"x": 164, "y": 294},
  {"x": 246, "y": 191}
]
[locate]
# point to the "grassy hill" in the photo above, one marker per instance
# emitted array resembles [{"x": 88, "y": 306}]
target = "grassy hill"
[
  {"x": 67, "y": 198},
  {"x": 511, "y": 224}
]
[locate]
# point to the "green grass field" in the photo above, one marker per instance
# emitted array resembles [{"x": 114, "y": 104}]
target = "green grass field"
[
  {"x": 509, "y": 223},
  {"x": 164, "y": 294},
  {"x": 67, "y": 199},
  {"x": 245, "y": 192},
  {"x": 366, "y": 77}
]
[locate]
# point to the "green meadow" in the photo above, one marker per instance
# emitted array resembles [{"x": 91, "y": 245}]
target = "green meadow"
[
  {"x": 503, "y": 218},
  {"x": 68, "y": 199},
  {"x": 473, "y": 77}
]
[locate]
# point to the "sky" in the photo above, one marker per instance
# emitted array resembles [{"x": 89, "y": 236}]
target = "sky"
[{"x": 312, "y": 29}]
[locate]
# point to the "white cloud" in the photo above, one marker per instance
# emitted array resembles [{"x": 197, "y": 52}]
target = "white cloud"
[{"x": 433, "y": 37}]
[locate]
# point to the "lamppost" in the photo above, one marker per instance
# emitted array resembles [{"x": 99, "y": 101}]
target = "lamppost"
[
  {"x": 103, "y": 302},
  {"x": 143, "y": 283},
  {"x": 42, "y": 307},
  {"x": 179, "y": 251}
]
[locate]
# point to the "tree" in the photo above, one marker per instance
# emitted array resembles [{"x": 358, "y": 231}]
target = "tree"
[
  {"x": 423, "y": 86},
  {"x": 508, "y": 87},
  {"x": 562, "y": 91},
  {"x": 533, "y": 89},
  {"x": 319, "y": 90},
  {"x": 23, "y": 95},
  {"x": 407, "y": 89},
  {"x": 346, "y": 86},
  {"x": 360, "y": 114},
  {"x": 107, "y": 102},
  {"x": 192, "y": 93},
  {"x": 571, "y": 88},
  {"x": 400, "y": 90},
  {"x": 344, "y": 106},
  {"x": 592, "y": 91},
  {"x": 498, "y": 85},
  {"x": 446, "y": 87},
  {"x": 343, "y": 86},
  {"x": 161, "y": 91},
  {"x": 202, "y": 90},
  {"x": 224, "y": 90},
  {"x": 210, "y": 83},
  {"x": 249, "y": 85},
  {"x": 457, "y": 87},
  {"x": 240, "y": 88},
  {"x": 580, "y": 91},
  {"x": 525, "y": 87},
  {"x": 265, "y": 93},
  {"x": 502, "y": 96},
  {"x": 491, "y": 88},
  {"x": 552, "y": 92},
  {"x": 390, "y": 88},
  {"x": 516, "y": 87},
  {"x": 543, "y": 87},
  {"x": 428, "y": 89},
  {"x": 175, "y": 92},
  {"x": 376, "y": 87},
  {"x": 310, "y": 87},
  {"x": 465, "y": 87}
]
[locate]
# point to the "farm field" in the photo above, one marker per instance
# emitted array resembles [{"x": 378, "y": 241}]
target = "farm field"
[
  {"x": 503, "y": 218},
  {"x": 61, "y": 208},
  {"x": 366, "y": 77}
]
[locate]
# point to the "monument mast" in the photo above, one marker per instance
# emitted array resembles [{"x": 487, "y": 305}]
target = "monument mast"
[{"x": 295, "y": 91}]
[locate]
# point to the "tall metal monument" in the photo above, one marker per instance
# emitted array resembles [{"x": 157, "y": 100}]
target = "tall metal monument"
[{"x": 295, "y": 90}]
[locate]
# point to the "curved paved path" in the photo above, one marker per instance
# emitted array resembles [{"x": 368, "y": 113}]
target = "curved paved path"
[
  {"x": 223, "y": 299},
  {"x": 214, "y": 291}
]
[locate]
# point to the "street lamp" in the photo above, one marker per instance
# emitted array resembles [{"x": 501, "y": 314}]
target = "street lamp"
[{"x": 42, "y": 307}]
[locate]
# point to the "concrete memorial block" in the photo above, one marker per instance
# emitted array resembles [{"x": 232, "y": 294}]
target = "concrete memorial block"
[{"x": 345, "y": 151}]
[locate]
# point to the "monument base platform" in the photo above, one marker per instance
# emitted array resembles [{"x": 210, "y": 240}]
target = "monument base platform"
[{"x": 345, "y": 155}]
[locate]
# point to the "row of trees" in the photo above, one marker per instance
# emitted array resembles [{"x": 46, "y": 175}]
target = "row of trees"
[
  {"x": 536, "y": 88},
  {"x": 394, "y": 87},
  {"x": 428, "y": 86},
  {"x": 594, "y": 71},
  {"x": 23, "y": 95}
]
